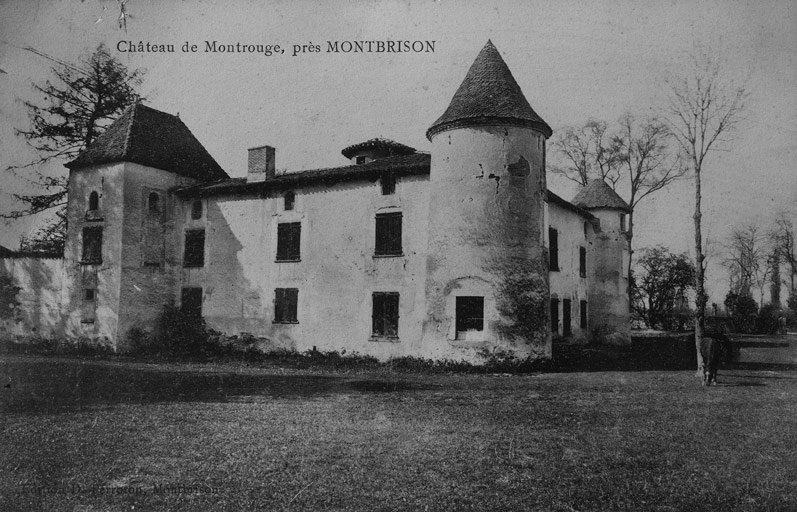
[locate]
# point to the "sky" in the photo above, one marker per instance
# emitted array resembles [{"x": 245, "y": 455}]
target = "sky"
[{"x": 573, "y": 60}]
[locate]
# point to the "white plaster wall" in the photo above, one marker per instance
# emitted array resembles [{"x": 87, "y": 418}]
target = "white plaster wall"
[
  {"x": 35, "y": 309},
  {"x": 337, "y": 273},
  {"x": 609, "y": 314},
  {"x": 567, "y": 283},
  {"x": 486, "y": 225}
]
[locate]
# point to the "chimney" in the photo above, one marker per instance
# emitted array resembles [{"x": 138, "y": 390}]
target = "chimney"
[{"x": 261, "y": 164}]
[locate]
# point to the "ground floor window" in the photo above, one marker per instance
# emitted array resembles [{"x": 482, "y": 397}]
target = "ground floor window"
[
  {"x": 583, "y": 314},
  {"x": 88, "y": 311},
  {"x": 286, "y": 302},
  {"x": 191, "y": 302},
  {"x": 385, "y": 315},
  {"x": 555, "y": 316},
  {"x": 567, "y": 328},
  {"x": 469, "y": 317}
]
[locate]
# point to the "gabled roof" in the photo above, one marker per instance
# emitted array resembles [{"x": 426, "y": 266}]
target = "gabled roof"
[
  {"x": 598, "y": 194},
  {"x": 489, "y": 95},
  {"x": 400, "y": 165},
  {"x": 153, "y": 138},
  {"x": 557, "y": 200},
  {"x": 390, "y": 147}
]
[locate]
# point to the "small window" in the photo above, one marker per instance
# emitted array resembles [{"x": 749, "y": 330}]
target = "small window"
[
  {"x": 196, "y": 210},
  {"x": 285, "y": 305},
  {"x": 88, "y": 310},
  {"x": 388, "y": 234},
  {"x": 153, "y": 202},
  {"x": 359, "y": 160},
  {"x": 191, "y": 302},
  {"x": 582, "y": 261},
  {"x": 94, "y": 201},
  {"x": 623, "y": 221},
  {"x": 290, "y": 198},
  {"x": 553, "y": 245},
  {"x": 89, "y": 294},
  {"x": 586, "y": 229},
  {"x": 194, "y": 250},
  {"x": 554, "y": 316},
  {"x": 388, "y": 182},
  {"x": 469, "y": 316},
  {"x": 289, "y": 241},
  {"x": 567, "y": 328},
  {"x": 385, "y": 314},
  {"x": 92, "y": 245},
  {"x": 583, "y": 305}
]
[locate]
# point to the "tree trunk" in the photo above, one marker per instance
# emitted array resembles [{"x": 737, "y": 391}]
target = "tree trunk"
[
  {"x": 630, "y": 235},
  {"x": 700, "y": 298}
]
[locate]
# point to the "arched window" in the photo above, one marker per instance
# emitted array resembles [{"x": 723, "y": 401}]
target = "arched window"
[
  {"x": 94, "y": 201},
  {"x": 196, "y": 210},
  {"x": 154, "y": 202},
  {"x": 290, "y": 197}
]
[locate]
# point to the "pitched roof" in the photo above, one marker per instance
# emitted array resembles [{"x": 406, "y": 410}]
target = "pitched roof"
[
  {"x": 400, "y": 165},
  {"x": 489, "y": 95},
  {"x": 6, "y": 252},
  {"x": 153, "y": 138},
  {"x": 391, "y": 147},
  {"x": 567, "y": 205},
  {"x": 598, "y": 194}
]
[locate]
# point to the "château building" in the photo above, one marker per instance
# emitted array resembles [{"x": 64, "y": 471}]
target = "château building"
[{"x": 453, "y": 254}]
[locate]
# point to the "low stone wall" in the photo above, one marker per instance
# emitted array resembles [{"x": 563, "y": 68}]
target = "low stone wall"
[{"x": 31, "y": 297}]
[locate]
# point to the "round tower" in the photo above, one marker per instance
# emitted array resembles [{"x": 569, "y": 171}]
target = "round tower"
[{"x": 487, "y": 276}]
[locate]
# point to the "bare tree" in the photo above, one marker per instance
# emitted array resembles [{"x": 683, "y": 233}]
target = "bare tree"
[
  {"x": 704, "y": 107},
  {"x": 783, "y": 240},
  {"x": 747, "y": 260},
  {"x": 637, "y": 159}
]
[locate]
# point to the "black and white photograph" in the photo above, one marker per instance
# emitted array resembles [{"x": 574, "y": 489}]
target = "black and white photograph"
[{"x": 418, "y": 255}]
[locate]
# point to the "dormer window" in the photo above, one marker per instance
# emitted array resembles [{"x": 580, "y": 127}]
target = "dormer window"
[
  {"x": 289, "y": 198},
  {"x": 153, "y": 202},
  {"x": 359, "y": 160},
  {"x": 94, "y": 201},
  {"x": 196, "y": 210}
]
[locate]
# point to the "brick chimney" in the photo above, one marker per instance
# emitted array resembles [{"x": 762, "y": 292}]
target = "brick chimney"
[{"x": 261, "y": 164}]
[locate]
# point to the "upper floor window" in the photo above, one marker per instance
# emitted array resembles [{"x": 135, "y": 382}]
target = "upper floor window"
[
  {"x": 586, "y": 228},
  {"x": 194, "y": 249},
  {"x": 289, "y": 241},
  {"x": 153, "y": 202},
  {"x": 582, "y": 261},
  {"x": 388, "y": 234},
  {"x": 553, "y": 248},
  {"x": 196, "y": 210},
  {"x": 289, "y": 198},
  {"x": 94, "y": 201},
  {"x": 623, "y": 222},
  {"x": 388, "y": 182},
  {"x": 92, "y": 245}
]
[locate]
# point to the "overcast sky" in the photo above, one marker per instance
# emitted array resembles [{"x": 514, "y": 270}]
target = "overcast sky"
[{"x": 573, "y": 60}]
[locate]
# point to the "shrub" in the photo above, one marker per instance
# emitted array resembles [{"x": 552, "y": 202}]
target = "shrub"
[
  {"x": 742, "y": 310},
  {"x": 766, "y": 321}
]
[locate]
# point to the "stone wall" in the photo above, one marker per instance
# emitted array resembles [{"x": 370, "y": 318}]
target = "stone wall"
[{"x": 31, "y": 298}]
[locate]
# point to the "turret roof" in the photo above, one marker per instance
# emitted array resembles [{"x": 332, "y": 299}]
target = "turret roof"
[
  {"x": 598, "y": 194},
  {"x": 489, "y": 95},
  {"x": 153, "y": 138}
]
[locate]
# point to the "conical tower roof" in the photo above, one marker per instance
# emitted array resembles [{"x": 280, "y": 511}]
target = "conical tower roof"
[
  {"x": 598, "y": 194},
  {"x": 489, "y": 95},
  {"x": 153, "y": 138}
]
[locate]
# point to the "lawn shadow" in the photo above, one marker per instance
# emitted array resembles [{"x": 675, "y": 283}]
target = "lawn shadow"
[{"x": 51, "y": 386}]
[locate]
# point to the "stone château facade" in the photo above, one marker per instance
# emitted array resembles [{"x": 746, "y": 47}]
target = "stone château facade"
[{"x": 455, "y": 254}]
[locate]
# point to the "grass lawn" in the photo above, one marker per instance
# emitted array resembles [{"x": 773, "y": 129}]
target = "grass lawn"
[{"x": 120, "y": 435}]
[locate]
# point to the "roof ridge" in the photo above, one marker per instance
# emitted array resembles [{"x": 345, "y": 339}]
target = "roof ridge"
[{"x": 129, "y": 135}]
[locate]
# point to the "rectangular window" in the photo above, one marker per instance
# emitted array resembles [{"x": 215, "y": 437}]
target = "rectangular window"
[
  {"x": 388, "y": 182},
  {"x": 388, "y": 234},
  {"x": 191, "y": 302},
  {"x": 385, "y": 314},
  {"x": 623, "y": 221},
  {"x": 88, "y": 312},
  {"x": 194, "y": 250},
  {"x": 288, "y": 241},
  {"x": 553, "y": 245},
  {"x": 567, "y": 329},
  {"x": 583, "y": 314},
  {"x": 286, "y": 302},
  {"x": 554, "y": 316},
  {"x": 92, "y": 245},
  {"x": 469, "y": 317},
  {"x": 582, "y": 261}
]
